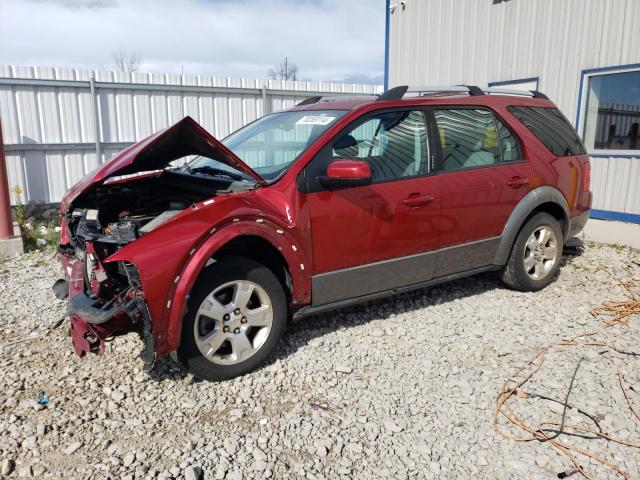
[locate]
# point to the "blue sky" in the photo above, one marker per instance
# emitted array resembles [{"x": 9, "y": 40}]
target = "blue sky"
[{"x": 327, "y": 39}]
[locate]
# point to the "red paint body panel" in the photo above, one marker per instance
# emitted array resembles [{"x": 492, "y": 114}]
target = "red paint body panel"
[
  {"x": 367, "y": 224},
  {"x": 478, "y": 201}
]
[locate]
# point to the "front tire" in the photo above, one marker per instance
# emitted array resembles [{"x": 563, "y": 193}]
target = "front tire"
[
  {"x": 237, "y": 313},
  {"x": 535, "y": 256}
]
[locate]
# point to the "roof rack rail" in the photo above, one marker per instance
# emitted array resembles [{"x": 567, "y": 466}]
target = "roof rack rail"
[
  {"x": 509, "y": 91},
  {"x": 537, "y": 94},
  {"x": 309, "y": 101},
  {"x": 445, "y": 89},
  {"x": 397, "y": 93},
  {"x": 338, "y": 98},
  {"x": 474, "y": 91},
  {"x": 513, "y": 91}
]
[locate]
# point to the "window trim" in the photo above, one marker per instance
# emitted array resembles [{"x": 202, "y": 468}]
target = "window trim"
[
  {"x": 309, "y": 186},
  {"x": 438, "y": 167},
  {"x": 581, "y": 113}
]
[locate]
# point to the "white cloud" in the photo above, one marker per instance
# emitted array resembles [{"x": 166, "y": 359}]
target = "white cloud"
[{"x": 327, "y": 39}]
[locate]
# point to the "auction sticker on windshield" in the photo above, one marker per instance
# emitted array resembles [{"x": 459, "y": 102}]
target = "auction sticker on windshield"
[{"x": 315, "y": 120}]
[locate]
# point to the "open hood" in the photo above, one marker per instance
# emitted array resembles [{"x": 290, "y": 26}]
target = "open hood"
[{"x": 184, "y": 138}]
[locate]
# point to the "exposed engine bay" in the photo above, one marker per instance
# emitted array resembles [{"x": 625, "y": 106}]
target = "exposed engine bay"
[{"x": 122, "y": 210}]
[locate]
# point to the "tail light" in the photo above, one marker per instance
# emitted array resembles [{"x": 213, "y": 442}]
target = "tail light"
[{"x": 586, "y": 176}]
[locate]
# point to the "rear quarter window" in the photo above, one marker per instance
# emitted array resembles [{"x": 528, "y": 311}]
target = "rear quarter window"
[{"x": 552, "y": 129}]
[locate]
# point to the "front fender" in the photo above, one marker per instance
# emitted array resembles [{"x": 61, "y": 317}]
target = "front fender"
[
  {"x": 170, "y": 258},
  {"x": 184, "y": 281}
]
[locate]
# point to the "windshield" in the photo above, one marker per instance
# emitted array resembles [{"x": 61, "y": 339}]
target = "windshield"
[{"x": 272, "y": 143}]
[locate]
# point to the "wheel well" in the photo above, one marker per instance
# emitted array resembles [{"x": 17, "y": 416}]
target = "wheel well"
[
  {"x": 555, "y": 211},
  {"x": 260, "y": 250}
]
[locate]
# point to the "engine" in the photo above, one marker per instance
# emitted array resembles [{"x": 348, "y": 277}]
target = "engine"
[{"x": 127, "y": 228}]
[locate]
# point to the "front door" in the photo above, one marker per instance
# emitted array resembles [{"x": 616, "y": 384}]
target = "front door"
[
  {"x": 369, "y": 239},
  {"x": 483, "y": 175}
]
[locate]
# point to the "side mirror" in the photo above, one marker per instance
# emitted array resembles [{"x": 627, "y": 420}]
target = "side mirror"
[{"x": 346, "y": 173}]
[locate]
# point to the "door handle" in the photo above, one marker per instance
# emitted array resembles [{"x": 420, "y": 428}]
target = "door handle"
[
  {"x": 417, "y": 200},
  {"x": 517, "y": 182}
]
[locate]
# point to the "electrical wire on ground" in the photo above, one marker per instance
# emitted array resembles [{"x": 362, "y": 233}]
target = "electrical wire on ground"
[{"x": 615, "y": 322}]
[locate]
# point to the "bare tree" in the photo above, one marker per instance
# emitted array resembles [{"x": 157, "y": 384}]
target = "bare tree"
[
  {"x": 284, "y": 71},
  {"x": 126, "y": 61}
]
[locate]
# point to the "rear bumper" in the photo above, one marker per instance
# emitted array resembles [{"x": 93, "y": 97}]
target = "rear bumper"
[{"x": 576, "y": 224}]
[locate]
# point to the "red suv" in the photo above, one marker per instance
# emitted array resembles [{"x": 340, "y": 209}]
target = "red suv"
[{"x": 208, "y": 248}]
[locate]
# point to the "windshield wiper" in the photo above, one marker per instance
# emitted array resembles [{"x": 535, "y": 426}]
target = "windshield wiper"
[{"x": 213, "y": 171}]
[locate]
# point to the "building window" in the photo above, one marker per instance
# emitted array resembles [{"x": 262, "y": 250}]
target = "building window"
[{"x": 612, "y": 112}]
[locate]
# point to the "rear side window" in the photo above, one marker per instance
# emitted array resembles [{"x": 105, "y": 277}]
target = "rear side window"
[
  {"x": 474, "y": 138},
  {"x": 552, "y": 128}
]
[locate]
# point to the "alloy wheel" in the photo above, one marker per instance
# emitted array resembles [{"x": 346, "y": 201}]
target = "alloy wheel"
[
  {"x": 233, "y": 322},
  {"x": 540, "y": 252}
]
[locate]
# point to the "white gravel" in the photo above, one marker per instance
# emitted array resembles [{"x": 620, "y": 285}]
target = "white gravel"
[{"x": 401, "y": 388}]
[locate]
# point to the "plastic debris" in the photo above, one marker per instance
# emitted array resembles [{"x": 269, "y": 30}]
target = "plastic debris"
[
  {"x": 574, "y": 246},
  {"x": 43, "y": 399},
  {"x": 568, "y": 473},
  {"x": 318, "y": 406}
]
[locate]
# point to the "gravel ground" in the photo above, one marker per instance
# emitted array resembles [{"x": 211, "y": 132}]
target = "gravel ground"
[{"x": 409, "y": 385}]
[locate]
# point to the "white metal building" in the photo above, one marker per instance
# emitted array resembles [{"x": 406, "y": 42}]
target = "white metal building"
[{"x": 583, "y": 54}]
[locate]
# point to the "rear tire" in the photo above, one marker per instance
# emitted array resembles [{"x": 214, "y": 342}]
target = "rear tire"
[
  {"x": 535, "y": 256},
  {"x": 237, "y": 313}
]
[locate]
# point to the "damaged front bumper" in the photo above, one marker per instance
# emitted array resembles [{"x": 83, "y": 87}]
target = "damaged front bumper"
[{"x": 93, "y": 321}]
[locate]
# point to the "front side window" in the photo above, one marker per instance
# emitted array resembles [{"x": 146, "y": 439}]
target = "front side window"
[
  {"x": 393, "y": 143},
  {"x": 613, "y": 112},
  {"x": 552, "y": 129},
  {"x": 474, "y": 138}
]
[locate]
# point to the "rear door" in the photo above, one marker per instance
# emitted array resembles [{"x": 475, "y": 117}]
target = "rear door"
[
  {"x": 483, "y": 176},
  {"x": 368, "y": 239}
]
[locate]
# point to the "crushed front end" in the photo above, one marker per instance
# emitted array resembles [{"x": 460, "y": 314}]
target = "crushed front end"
[
  {"x": 128, "y": 227},
  {"x": 105, "y": 299}
]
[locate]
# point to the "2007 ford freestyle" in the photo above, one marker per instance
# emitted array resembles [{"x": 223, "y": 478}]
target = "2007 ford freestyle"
[{"x": 335, "y": 201}]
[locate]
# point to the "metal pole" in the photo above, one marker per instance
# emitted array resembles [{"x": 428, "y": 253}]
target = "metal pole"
[
  {"x": 96, "y": 119},
  {"x": 266, "y": 107},
  {"x": 6, "y": 221}
]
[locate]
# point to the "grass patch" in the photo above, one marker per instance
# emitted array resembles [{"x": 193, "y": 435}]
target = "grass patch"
[{"x": 39, "y": 223}]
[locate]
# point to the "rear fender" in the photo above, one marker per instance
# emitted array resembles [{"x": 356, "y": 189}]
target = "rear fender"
[
  {"x": 528, "y": 204},
  {"x": 184, "y": 281}
]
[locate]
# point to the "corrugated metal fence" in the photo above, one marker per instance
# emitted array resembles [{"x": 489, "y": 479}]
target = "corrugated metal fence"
[{"x": 51, "y": 117}]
